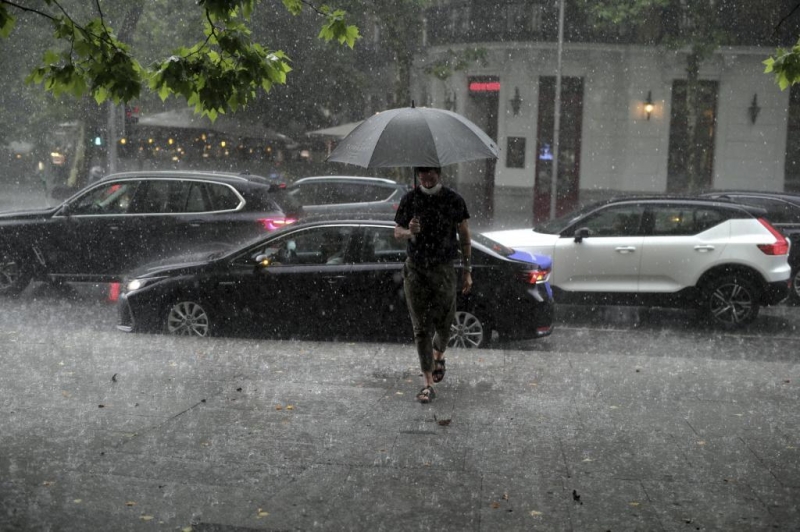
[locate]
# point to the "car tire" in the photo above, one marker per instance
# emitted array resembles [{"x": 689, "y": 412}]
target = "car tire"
[
  {"x": 469, "y": 330},
  {"x": 186, "y": 317},
  {"x": 15, "y": 274},
  {"x": 731, "y": 301},
  {"x": 794, "y": 289}
]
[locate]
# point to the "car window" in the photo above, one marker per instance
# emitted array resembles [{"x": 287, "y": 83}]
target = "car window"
[
  {"x": 113, "y": 198},
  {"x": 778, "y": 211},
  {"x": 678, "y": 220},
  {"x": 222, "y": 197},
  {"x": 333, "y": 192},
  {"x": 616, "y": 220},
  {"x": 197, "y": 199},
  {"x": 318, "y": 245},
  {"x": 161, "y": 196},
  {"x": 318, "y": 194},
  {"x": 367, "y": 192},
  {"x": 380, "y": 245}
]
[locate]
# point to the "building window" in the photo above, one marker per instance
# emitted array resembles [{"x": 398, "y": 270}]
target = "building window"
[
  {"x": 678, "y": 171},
  {"x": 515, "y": 152}
]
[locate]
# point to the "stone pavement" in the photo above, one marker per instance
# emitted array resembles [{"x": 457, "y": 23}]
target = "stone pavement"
[{"x": 144, "y": 432}]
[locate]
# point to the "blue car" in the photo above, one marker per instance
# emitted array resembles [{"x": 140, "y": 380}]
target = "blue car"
[{"x": 328, "y": 279}]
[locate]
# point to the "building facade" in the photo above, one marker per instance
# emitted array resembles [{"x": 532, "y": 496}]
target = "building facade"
[{"x": 622, "y": 123}]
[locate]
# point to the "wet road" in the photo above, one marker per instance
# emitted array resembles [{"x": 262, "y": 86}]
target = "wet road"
[{"x": 623, "y": 419}]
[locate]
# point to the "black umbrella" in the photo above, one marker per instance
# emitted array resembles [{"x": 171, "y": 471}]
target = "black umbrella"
[{"x": 414, "y": 136}]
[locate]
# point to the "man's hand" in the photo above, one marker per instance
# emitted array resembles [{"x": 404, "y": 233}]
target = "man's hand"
[
  {"x": 414, "y": 226},
  {"x": 466, "y": 285},
  {"x": 401, "y": 233}
]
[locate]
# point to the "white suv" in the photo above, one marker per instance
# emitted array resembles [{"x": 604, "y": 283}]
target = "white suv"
[{"x": 663, "y": 251}]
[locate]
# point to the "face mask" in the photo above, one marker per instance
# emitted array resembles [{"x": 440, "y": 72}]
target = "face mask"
[{"x": 431, "y": 191}]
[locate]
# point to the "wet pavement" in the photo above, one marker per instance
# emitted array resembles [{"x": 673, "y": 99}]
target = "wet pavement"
[
  {"x": 649, "y": 430},
  {"x": 624, "y": 419}
]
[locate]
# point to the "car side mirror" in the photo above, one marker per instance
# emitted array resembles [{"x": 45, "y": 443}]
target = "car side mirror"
[
  {"x": 581, "y": 233},
  {"x": 263, "y": 261}
]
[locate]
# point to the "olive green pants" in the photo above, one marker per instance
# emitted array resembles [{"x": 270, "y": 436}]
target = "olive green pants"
[{"x": 431, "y": 298}]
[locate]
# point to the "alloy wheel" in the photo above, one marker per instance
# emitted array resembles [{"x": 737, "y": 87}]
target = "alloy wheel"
[
  {"x": 467, "y": 331},
  {"x": 187, "y": 318},
  {"x": 732, "y": 303},
  {"x": 796, "y": 286}
]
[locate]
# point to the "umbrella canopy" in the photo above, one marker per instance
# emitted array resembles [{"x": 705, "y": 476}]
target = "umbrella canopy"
[
  {"x": 338, "y": 132},
  {"x": 227, "y": 125},
  {"x": 414, "y": 136}
]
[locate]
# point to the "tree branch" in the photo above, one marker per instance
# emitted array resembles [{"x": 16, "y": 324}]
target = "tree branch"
[
  {"x": 28, "y": 9},
  {"x": 785, "y": 18}
]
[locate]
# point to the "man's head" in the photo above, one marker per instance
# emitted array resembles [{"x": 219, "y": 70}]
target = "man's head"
[{"x": 429, "y": 177}]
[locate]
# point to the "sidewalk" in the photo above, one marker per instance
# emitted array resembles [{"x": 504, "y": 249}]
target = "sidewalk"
[{"x": 159, "y": 433}]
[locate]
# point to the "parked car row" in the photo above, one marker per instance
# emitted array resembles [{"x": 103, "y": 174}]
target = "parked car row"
[
  {"x": 205, "y": 253},
  {"x": 133, "y": 218},
  {"x": 251, "y": 264}
]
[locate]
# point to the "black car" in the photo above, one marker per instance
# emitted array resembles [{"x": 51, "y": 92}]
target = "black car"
[
  {"x": 347, "y": 195},
  {"x": 331, "y": 279},
  {"x": 127, "y": 219},
  {"x": 783, "y": 212}
]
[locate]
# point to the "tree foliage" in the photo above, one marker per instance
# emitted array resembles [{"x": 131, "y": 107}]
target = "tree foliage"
[
  {"x": 785, "y": 65},
  {"x": 222, "y": 72}
]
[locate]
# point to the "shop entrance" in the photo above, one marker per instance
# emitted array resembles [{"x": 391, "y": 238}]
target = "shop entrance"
[
  {"x": 484, "y": 96},
  {"x": 569, "y": 146}
]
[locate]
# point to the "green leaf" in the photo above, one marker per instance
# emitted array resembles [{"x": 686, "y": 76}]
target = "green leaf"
[
  {"x": 7, "y": 22},
  {"x": 295, "y": 7}
]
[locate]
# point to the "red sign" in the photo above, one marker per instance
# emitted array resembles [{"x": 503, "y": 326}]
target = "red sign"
[{"x": 484, "y": 86}]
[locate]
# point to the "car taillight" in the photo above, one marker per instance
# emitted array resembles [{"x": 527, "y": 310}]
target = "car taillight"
[
  {"x": 534, "y": 276},
  {"x": 272, "y": 224},
  {"x": 781, "y": 247}
]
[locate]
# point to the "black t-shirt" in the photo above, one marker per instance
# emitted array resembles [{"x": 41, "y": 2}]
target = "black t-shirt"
[{"x": 439, "y": 215}]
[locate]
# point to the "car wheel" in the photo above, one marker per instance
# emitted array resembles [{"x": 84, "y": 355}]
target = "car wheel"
[
  {"x": 187, "y": 318},
  {"x": 468, "y": 330},
  {"x": 794, "y": 293},
  {"x": 731, "y": 302},
  {"x": 15, "y": 275}
]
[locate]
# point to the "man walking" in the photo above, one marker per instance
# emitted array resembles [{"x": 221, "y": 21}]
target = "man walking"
[{"x": 432, "y": 219}]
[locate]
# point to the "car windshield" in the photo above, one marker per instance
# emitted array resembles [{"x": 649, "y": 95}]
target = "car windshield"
[
  {"x": 556, "y": 225},
  {"x": 497, "y": 247}
]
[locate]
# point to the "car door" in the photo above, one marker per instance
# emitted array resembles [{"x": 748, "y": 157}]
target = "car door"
[
  {"x": 303, "y": 287},
  {"x": 157, "y": 211},
  {"x": 98, "y": 234},
  {"x": 608, "y": 258},
  {"x": 377, "y": 281},
  {"x": 681, "y": 241}
]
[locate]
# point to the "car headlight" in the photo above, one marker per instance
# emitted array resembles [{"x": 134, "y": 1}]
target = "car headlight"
[{"x": 137, "y": 284}]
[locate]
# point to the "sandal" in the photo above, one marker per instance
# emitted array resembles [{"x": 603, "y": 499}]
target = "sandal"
[
  {"x": 439, "y": 370},
  {"x": 426, "y": 395}
]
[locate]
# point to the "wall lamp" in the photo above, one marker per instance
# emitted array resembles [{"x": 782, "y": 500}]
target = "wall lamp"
[
  {"x": 754, "y": 109},
  {"x": 648, "y": 104},
  {"x": 516, "y": 102}
]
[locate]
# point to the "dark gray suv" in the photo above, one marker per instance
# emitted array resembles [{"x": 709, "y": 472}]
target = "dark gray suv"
[
  {"x": 127, "y": 219},
  {"x": 347, "y": 195}
]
